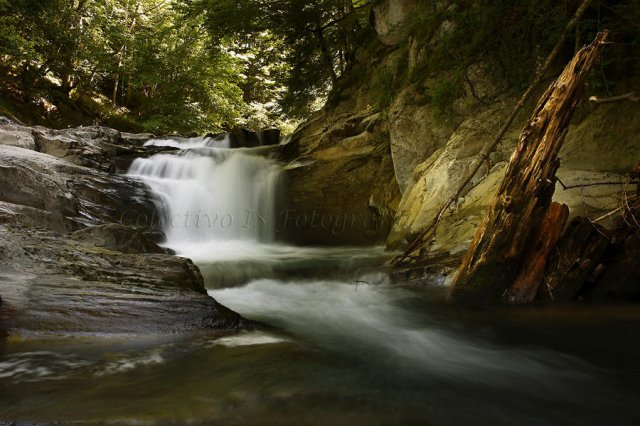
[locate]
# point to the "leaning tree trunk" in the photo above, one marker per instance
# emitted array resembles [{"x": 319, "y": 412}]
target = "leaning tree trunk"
[{"x": 511, "y": 237}]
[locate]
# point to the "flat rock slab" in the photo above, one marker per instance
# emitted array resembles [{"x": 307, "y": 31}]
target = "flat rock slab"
[
  {"x": 54, "y": 285},
  {"x": 71, "y": 261}
]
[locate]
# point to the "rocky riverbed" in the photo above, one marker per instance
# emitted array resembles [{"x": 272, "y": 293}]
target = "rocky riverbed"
[{"x": 78, "y": 241}]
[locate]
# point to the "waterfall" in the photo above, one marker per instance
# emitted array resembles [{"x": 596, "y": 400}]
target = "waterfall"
[{"x": 208, "y": 193}]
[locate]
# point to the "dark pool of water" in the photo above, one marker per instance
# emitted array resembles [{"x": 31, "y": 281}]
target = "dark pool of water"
[{"x": 347, "y": 348}]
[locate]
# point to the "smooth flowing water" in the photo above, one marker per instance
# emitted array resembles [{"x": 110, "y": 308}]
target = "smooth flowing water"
[{"x": 345, "y": 346}]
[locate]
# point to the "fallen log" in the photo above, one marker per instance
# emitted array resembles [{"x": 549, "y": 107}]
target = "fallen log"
[
  {"x": 526, "y": 284},
  {"x": 514, "y": 218},
  {"x": 575, "y": 261}
]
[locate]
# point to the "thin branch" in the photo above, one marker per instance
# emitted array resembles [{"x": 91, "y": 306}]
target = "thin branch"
[
  {"x": 584, "y": 185},
  {"x": 631, "y": 96},
  {"x": 337, "y": 20},
  {"x": 608, "y": 215}
]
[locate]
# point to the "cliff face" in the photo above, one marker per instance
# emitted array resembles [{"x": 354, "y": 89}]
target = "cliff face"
[
  {"x": 340, "y": 169},
  {"x": 383, "y": 146}
]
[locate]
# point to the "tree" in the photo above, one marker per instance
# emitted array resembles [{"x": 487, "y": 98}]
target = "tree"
[
  {"x": 317, "y": 39},
  {"x": 139, "y": 62}
]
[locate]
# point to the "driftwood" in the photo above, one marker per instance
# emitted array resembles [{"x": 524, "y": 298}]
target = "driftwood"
[
  {"x": 525, "y": 286},
  {"x": 621, "y": 277},
  {"x": 430, "y": 229},
  {"x": 576, "y": 260},
  {"x": 513, "y": 220}
]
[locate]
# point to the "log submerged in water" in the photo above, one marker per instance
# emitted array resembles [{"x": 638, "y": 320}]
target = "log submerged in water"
[
  {"x": 575, "y": 261},
  {"x": 531, "y": 275},
  {"x": 511, "y": 231}
]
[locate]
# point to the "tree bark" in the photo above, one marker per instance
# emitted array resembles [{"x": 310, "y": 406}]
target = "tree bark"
[
  {"x": 531, "y": 275},
  {"x": 574, "y": 262},
  {"x": 326, "y": 55},
  {"x": 513, "y": 220}
]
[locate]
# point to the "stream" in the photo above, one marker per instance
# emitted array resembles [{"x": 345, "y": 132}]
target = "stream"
[{"x": 342, "y": 345}]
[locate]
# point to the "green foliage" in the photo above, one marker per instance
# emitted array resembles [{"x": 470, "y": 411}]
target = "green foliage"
[
  {"x": 445, "y": 94},
  {"x": 150, "y": 62},
  {"x": 185, "y": 65},
  {"x": 512, "y": 38},
  {"x": 385, "y": 83},
  {"x": 315, "y": 40},
  {"x": 178, "y": 65}
]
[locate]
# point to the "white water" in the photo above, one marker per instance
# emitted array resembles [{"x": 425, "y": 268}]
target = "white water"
[
  {"x": 348, "y": 346},
  {"x": 366, "y": 319},
  {"x": 210, "y": 194}
]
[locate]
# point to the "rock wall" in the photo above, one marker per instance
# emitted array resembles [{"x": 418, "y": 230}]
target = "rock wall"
[
  {"x": 340, "y": 182},
  {"x": 403, "y": 157}
]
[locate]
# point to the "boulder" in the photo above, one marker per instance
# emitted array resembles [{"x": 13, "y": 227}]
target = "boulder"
[
  {"x": 415, "y": 134},
  {"x": 136, "y": 139},
  {"x": 52, "y": 284},
  {"x": 436, "y": 179},
  {"x": 13, "y": 135},
  {"x": 269, "y": 137},
  {"x": 78, "y": 244},
  {"x": 93, "y": 146},
  {"x": 45, "y": 191},
  {"x": 340, "y": 183},
  {"x": 97, "y": 147},
  {"x": 607, "y": 139}
]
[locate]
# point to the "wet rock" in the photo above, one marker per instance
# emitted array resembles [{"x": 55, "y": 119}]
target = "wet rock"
[
  {"x": 40, "y": 190},
  {"x": 14, "y": 135},
  {"x": 95, "y": 146},
  {"x": 136, "y": 139},
  {"x": 54, "y": 284},
  {"x": 269, "y": 137},
  {"x": 117, "y": 237},
  {"x": 243, "y": 138},
  {"x": 340, "y": 182},
  {"x": 109, "y": 275}
]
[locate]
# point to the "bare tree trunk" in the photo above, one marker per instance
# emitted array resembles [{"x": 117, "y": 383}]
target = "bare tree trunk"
[
  {"x": 116, "y": 80},
  {"x": 326, "y": 54},
  {"x": 526, "y": 284},
  {"x": 514, "y": 219},
  {"x": 574, "y": 260}
]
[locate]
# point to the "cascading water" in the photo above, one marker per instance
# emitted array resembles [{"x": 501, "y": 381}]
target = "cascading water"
[
  {"x": 348, "y": 345},
  {"x": 208, "y": 193},
  {"x": 219, "y": 208}
]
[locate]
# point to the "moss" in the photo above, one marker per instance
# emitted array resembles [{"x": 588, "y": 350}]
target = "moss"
[
  {"x": 388, "y": 80},
  {"x": 445, "y": 94}
]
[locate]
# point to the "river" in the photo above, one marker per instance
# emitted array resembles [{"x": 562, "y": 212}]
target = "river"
[{"x": 342, "y": 343}]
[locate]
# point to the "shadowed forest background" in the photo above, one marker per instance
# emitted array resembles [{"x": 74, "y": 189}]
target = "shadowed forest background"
[{"x": 208, "y": 65}]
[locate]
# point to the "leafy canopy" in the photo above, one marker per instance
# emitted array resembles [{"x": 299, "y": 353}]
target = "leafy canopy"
[{"x": 315, "y": 40}]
